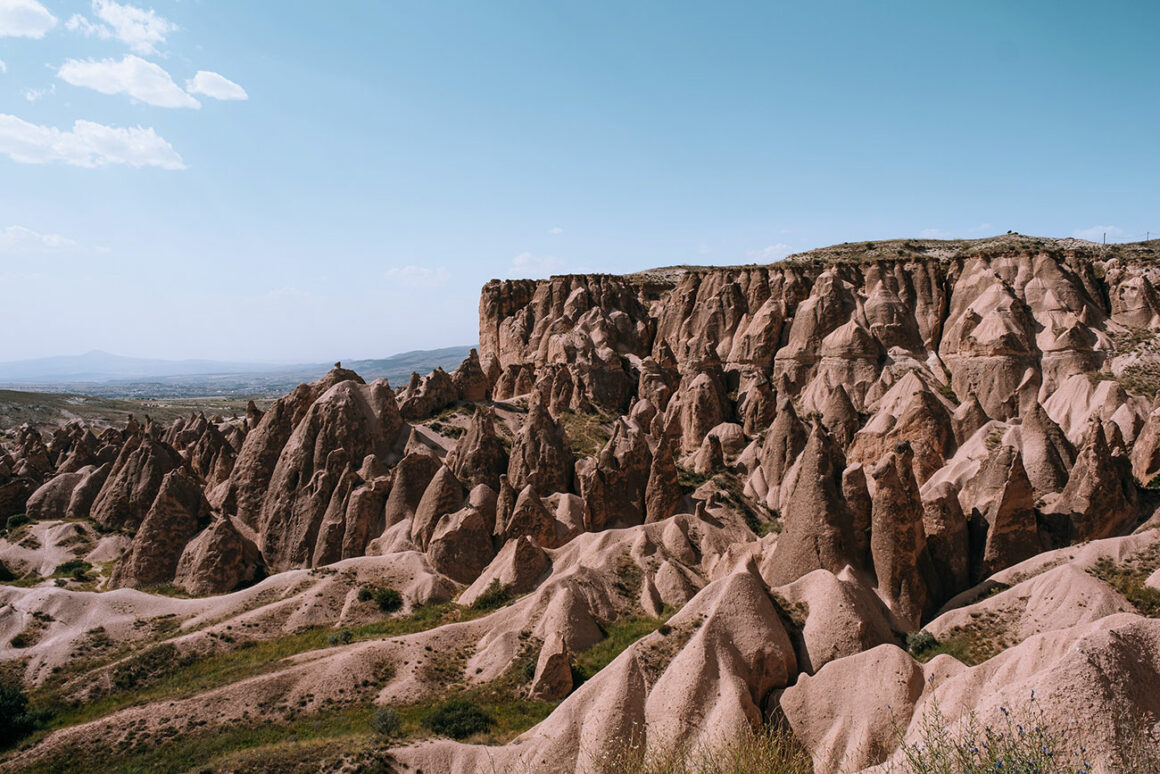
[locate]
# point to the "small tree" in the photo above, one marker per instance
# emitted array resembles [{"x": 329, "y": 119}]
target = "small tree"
[
  {"x": 385, "y": 722},
  {"x": 16, "y": 719}
]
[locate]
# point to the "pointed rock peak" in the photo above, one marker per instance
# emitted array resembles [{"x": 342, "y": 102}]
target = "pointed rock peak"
[
  {"x": 840, "y": 417},
  {"x": 968, "y": 418}
]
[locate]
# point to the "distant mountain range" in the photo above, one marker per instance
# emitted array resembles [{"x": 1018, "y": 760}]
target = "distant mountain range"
[{"x": 107, "y": 375}]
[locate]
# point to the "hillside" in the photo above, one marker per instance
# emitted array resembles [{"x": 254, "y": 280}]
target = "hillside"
[
  {"x": 100, "y": 375},
  {"x": 843, "y": 511}
]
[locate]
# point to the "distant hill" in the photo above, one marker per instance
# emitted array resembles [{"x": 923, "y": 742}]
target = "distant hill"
[{"x": 112, "y": 376}]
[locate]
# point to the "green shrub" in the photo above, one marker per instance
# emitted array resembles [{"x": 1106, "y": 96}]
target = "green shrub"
[
  {"x": 385, "y": 597},
  {"x": 339, "y": 638},
  {"x": 146, "y": 667},
  {"x": 385, "y": 722},
  {"x": 458, "y": 719},
  {"x": 16, "y": 719},
  {"x": 496, "y": 595},
  {"x": 918, "y": 643},
  {"x": 21, "y": 640},
  {"x": 17, "y": 520},
  {"x": 6, "y": 574},
  {"x": 76, "y": 568}
]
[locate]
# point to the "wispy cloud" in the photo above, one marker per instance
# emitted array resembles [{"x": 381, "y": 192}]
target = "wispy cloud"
[
  {"x": 771, "y": 253},
  {"x": 530, "y": 266},
  {"x": 132, "y": 76},
  {"x": 3, "y": 67},
  {"x": 1096, "y": 233},
  {"x": 142, "y": 30},
  {"x": 214, "y": 85},
  {"x": 18, "y": 239},
  {"x": 34, "y": 95},
  {"x": 418, "y": 276},
  {"x": 933, "y": 233},
  {"x": 87, "y": 144},
  {"x": 554, "y": 230},
  {"x": 24, "y": 19}
]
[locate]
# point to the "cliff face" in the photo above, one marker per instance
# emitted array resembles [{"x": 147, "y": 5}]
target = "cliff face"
[{"x": 991, "y": 320}]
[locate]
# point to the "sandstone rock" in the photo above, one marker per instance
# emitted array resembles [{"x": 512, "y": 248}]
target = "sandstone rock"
[
  {"x": 663, "y": 491},
  {"x": 469, "y": 380},
  {"x": 51, "y": 499},
  {"x": 179, "y": 512},
  {"x": 613, "y": 484},
  {"x": 1100, "y": 498},
  {"x": 840, "y": 417},
  {"x": 460, "y": 546},
  {"x": 1047, "y": 454},
  {"x": 518, "y": 566},
  {"x": 479, "y": 457},
  {"x": 444, "y": 495},
  {"x": 529, "y": 517},
  {"x": 819, "y": 530},
  {"x": 339, "y": 429},
  {"x": 946, "y": 540},
  {"x": 411, "y": 478},
  {"x": 256, "y": 461},
  {"x": 897, "y": 538},
  {"x": 428, "y": 395},
  {"x": 783, "y": 442},
  {"x": 709, "y": 459},
  {"x": 218, "y": 560},
  {"x": 1003, "y": 523},
  {"x": 553, "y": 678},
  {"x": 540, "y": 456},
  {"x": 133, "y": 482}
]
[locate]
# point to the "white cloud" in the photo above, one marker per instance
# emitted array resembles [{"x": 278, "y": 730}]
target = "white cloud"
[
  {"x": 133, "y": 76},
  {"x": 1096, "y": 233},
  {"x": 20, "y": 239},
  {"x": 3, "y": 67},
  {"x": 214, "y": 85},
  {"x": 32, "y": 95},
  {"x": 772, "y": 253},
  {"x": 418, "y": 276},
  {"x": 24, "y": 19},
  {"x": 141, "y": 30},
  {"x": 88, "y": 144},
  {"x": 555, "y": 230},
  {"x": 529, "y": 266}
]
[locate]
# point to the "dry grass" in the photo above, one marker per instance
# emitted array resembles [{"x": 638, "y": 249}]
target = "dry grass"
[{"x": 769, "y": 750}]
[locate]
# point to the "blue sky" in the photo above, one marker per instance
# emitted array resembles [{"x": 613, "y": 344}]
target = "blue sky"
[{"x": 372, "y": 164}]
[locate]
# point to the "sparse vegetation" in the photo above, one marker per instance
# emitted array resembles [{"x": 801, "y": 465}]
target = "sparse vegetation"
[
  {"x": 1019, "y": 739},
  {"x": 77, "y": 569},
  {"x": 618, "y": 636},
  {"x": 17, "y": 520},
  {"x": 388, "y": 600},
  {"x": 458, "y": 719},
  {"x": 689, "y": 481},
  {"x": 769, "y": 750},
  {"x": 1129, "y": 581},
  {"x": 495, "y": 596},
  {"x": 586, "y": 433},
  {"x": 984, "y": 637},
  {"x": 385, "y": 722}
]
